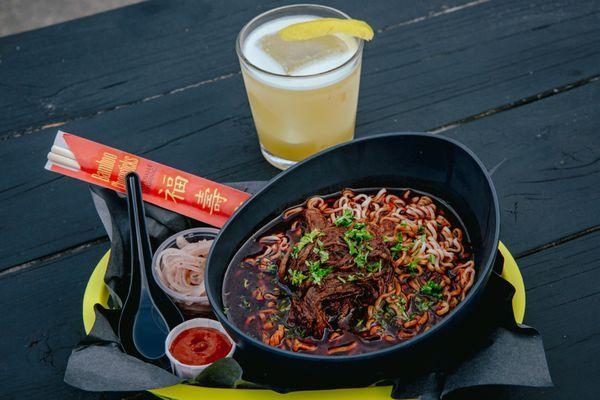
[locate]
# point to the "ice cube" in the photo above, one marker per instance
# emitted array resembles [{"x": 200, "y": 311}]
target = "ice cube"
[{"x": 296, "y": 54}]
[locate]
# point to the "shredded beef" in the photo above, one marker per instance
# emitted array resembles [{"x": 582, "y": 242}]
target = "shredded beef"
[
  {"x": 311, "y": 311},
  {"x": 314, "y": 219},
  {"x": 328, "y": 305}
]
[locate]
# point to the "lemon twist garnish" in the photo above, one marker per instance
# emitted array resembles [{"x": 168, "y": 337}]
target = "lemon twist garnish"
[{"x": 326, "y": 26}]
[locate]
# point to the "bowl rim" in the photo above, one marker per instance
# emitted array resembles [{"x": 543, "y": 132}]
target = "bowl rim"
[{"x": 473, "y": 293}]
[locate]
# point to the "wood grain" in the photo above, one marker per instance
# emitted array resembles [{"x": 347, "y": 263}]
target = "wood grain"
[
  {"x": 135, "y": 54},
  {"x": 548, "y": 144},
  {"x": 563, "y": 303},
  {"x": 41, "y": 321},
  {"x": 518, "y": 82},
  {"x": 216, "y": 115},
  {"x": 548, "y": 158}
]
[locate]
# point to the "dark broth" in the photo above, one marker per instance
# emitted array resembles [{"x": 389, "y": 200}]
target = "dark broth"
[{"x": 243, "y": 280}]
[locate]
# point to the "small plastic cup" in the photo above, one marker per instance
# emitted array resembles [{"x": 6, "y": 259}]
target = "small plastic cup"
[
  {"x": 190, "y": 305},
  {"x": 186, "y": 371}
]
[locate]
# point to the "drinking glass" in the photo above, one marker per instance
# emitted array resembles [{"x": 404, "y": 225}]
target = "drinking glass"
[{"x": 298, "y": 115}]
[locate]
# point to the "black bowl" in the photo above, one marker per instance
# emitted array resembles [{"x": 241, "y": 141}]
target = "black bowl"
[{"x": 434, "y": 164}]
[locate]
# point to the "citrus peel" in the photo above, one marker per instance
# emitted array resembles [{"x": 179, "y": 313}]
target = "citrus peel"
[{"x": 326, "y": 26}]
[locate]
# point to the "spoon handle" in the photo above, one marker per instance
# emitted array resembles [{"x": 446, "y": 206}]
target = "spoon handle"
[{"x": 141, "y": 251}]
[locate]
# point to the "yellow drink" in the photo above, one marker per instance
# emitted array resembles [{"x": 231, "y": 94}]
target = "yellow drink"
[
  {"x": 302, "y": 111},
  {"x": 294, "y": 124}
]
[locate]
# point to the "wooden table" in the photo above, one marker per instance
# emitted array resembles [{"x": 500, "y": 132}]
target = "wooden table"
[{"x": 517, "y": 81}]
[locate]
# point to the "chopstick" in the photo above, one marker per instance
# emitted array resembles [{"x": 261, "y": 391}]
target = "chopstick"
[{"x": 63, "y": 157}]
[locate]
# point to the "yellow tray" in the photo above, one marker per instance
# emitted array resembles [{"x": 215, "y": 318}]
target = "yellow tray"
[{"x": 96, "y": 292}]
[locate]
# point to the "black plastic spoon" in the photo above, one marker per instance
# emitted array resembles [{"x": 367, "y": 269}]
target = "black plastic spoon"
[{"x": 148, "y": 314}]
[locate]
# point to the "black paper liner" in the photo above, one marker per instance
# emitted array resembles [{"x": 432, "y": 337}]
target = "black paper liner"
[{"x": 494, "y": 349}]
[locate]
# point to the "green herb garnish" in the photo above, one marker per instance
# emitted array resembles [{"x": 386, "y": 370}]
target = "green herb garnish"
[
  {"x": 271, "y": 268},
  {"x": 422, "y": 304},
  {"x": 297, "y": 277},
  {"x": 323, "y": 256},
  {"x": 399, "y": 246},
  {"x": 356, "y": 239},
  {"x": 361, "y": 259},
  {"x": 244, "y": 303},
  {"x": 432, "y": 288},
  {"x": 358, "y": 233},
  {"x": 305, "y": 240},
  {"x": 352, "y": 248},
  {"x": 316, "y": 271},
  {"x": 412, "y": 266},
  {"x": 376, "y": 266},
  {"x": 421, "y": 230},
  {"x": 345, "y": 220}
]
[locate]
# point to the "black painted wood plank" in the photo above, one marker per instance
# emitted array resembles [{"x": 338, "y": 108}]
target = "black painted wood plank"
[
  {"x": 434, "y": 73},
  {"x": 184, "y": 129},
  {"x": 563, "y": 302},
  {"x": 548, "y": 158},
  {"x": 41, "y": 321},
  {"x": 121, "y": 57},
  {"x": 551, "y": 149}
]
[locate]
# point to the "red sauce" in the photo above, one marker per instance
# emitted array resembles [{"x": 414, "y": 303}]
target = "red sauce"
[{"x": 200, "y": 346}]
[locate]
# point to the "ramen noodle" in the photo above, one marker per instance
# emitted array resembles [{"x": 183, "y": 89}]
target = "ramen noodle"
[{"x": 351, "y": 273}]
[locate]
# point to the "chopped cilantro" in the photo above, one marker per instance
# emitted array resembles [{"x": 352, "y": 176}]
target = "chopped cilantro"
[
  {"x": 399, "y": 246},
  {"x": 422, "y": 304},
  {"x": 345, "y": 220},
  {"x": 361, "y": 259},
  {"x": 284, "y": 305},
  {"x": 271, "y": 267},
  {"x": 317, "y": 273},
  {"x": 358, "y": 233},
  {"x": 305, "y": 240},
  {"x": 297, "y": 277},
  {"x": 244, "y": 303},
  {"x": 376, "y": 266},
  {"x": 421, "y": 230},
  {"x": 352, "y": 248},
  {"x": 431, "y": 258},
  {"x": 323, "y": 256},
  {"x": 432, "y": 289},
  {"x": 293, "y": 331},
  {"x": 355, "y": 239},
  {"x": 351, "y": 278},
  {"x": 360, "y": 325},
  {"x": 412, "y": 266}
]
